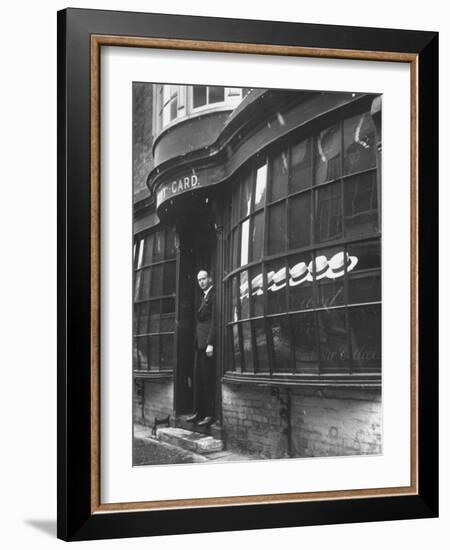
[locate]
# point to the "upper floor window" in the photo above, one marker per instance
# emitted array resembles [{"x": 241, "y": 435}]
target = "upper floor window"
[
  {"x": 169, "y": 103},
  {"x": 205, "y": 95},
  {"x": 175, "y": 103}
]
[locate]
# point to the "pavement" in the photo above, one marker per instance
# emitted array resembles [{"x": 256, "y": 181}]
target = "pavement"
[{"x": 150, "y": 451}]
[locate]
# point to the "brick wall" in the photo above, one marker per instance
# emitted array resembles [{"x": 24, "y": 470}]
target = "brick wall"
[
  {"x": 155, "y": 399},
  {"x": 324, "y": 422}
]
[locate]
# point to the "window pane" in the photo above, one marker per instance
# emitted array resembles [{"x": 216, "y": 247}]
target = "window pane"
[
  {"x": 365, "y": 332},
  {"x": 244, "y": 241},
  {"x": 170, "y": 244},
  {"x": 277, "y": 228},
  {"x": 364, "y": 274},
  {"x": 276, "y": 286},
  {"x": 300, "y": 282},
  {"x": 334, "y": 354},
  {"x": 244, "y": 295},
  {"x": 235, "y": 247},
  {"x": 256, "y": 285},
  {"x": 361, "y": 204},
  {"x": 301, "y": 166},
  {"x": 216, "y": 94},
  {"x": 236, "y": 349},
  {"x": 257, "y": 235},
  {"x": 304, "y": 342},
  {"x": 142, "y": 352},
  {"x": 154, "y": 316},
  {"x": 329, "y": 275},
  {"x": 144, "y": 293},
  {"x": 261, "y": 345},
  {"x": 359, "y": 144},
  {"x": 135, "y": 354},
  {"x": 167, "y": 315},
  {"x": 327, "y": 154},
  {"x": 300, "y": 217},
  {"x": 199, "y": 96},
  {"x": 140, "y": 252},
  {"x": 328, "y": 213},
  {"x": 229, "y": 360},
  {"x": 142, "y": 312},
  {"x": 158, "y": 247},
  {"x": 153, "y": 344},
  {"x": 169, "y": 278},
  {"x": 168, "y": 305},
  {"x": 234, "y": 299},
  {"x": 167, "y": 323},
  {"x": 137, "y": 285},
  {"x": 280, "y": 333},
  {"x": 261, "y": 184},
  {"x": 166, "y": 351},
  {"x": 174, "y": 108},
  {"x": 157, "y": 279},
  {"x": 247, "y": 346},
  {"x": 246, "y": 196},
  {"x": 279, "y": 177},
  {"x": 148, "y": 250}
]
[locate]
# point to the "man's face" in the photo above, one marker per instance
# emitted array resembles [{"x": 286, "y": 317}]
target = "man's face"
[{"x": 204, "y": 281}]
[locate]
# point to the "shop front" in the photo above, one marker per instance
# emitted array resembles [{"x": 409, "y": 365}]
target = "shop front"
[{"x": 280, "y": 203}]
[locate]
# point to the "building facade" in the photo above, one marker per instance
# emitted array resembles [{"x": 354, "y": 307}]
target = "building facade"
[{"x": 277, "y": 193}]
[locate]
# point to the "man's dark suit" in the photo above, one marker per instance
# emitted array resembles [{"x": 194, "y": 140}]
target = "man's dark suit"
[{"x": 204, "y": 373}]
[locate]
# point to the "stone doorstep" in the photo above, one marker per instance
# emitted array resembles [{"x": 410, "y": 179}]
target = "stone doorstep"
[{"x": 192, "y": 441}]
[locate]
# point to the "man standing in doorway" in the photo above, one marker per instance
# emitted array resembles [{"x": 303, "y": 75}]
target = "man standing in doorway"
[{"x": 204, "y": 370}]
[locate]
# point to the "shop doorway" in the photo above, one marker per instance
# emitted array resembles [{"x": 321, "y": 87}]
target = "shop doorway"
[{"x": 198, "y": 250}]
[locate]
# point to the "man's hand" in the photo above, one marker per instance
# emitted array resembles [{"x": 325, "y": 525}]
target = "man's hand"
[{"x": 209, "y": 350}]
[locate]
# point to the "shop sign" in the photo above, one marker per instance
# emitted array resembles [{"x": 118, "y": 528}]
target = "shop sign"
[{"x": 176, "y": 187}]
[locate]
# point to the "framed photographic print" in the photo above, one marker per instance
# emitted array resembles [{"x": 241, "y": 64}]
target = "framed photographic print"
[{"x": 247, "y": 274}]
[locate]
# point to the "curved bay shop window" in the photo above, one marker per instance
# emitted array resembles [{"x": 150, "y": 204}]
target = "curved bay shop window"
[
  {"x": 303, "y": 280},
  {"x": 154, "y": 301}
]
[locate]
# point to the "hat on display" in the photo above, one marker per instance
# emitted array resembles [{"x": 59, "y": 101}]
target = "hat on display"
[
  {"x": 257, "y": 284},
  {"x": 339, "y": 263},
  {"x": 278, "y": 280},
  {"x": 319, "y": 266},
  {"x": 299, "y": 273}
]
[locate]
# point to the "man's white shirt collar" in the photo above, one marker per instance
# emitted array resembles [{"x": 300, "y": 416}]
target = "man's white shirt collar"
[{"x": 205, "y": 293}]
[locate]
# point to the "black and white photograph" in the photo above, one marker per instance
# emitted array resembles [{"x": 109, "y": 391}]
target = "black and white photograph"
[{"x": 257, "y": 273}]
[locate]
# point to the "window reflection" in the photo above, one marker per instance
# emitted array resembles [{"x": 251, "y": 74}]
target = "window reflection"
[
  {"x": 261, "y": 181},
  {"x": 244, "y": 295},
  {"x": 261, "y": 345},
  {"x": 277, "y": 278},
  {"x": 361, "y": 204},
  {"x": 245, "y": 226},
  {"x": 359, "y": 144},
  {"x": 280, "y": 333},
  {"x": 328, "y": 155},
  {"x": 304, "y": 343},
  {"x": 365, "y": 333},
  {"x": 364, "y": 282},
  {"x": 301, "y": 166},
  {"x": 300, "y": 218},
  {"x": 247, "y": 346},
  {"x": 300, "y": 282},
  {"x": 328, "y": 213},
  {"x": 334, "y": 353},
  {"x": 277, "y": 228},
  {"x": 279, "y": 177}
]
